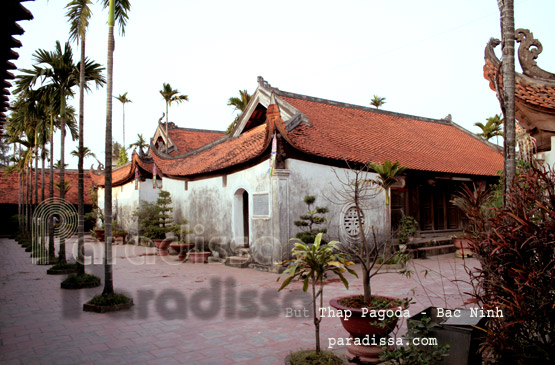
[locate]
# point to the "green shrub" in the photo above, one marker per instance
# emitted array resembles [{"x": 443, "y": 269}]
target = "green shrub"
[
  {"x": 109, "y": 300},
  {"x": 310, "y": 220},
  {"x": 81, "y": 279},
  {"x": 310, "y": 357}
]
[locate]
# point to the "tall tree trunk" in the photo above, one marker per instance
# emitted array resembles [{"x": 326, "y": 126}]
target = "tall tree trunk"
[
  {"x": 506, "y": 8},
  {"x": 123, "y": 106},
  {"x": 167, "y": 121},
  {"x": 51, "y": 246},
  {"x": 81, "y": 189},
  {"x": 42, "y": 224},
  {"x": 62, "y": 253},
  {"x": 108, "y": 278},
  {"x": 20, "y": 193},
  {"x": 43, "y": 164},
  {"x": 36, "y": 193}
]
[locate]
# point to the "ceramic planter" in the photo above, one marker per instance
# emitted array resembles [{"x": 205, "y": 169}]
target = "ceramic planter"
[
  {"x": 463, "y": 246},
  {"x": 99, "y": 234},
  {"x": 360, "y": 326},
  {"x": 120, "y": 236},
  {"x": 182, "y": 249},
  {"x": 162, "y": 246},
  {"x": 199, "y": 257}
]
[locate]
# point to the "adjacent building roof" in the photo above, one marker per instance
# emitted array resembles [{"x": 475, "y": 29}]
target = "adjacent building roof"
[
  {"x": 126, "y": 172},
  {"x": 187, "y": 139},
  {"x": 11, "y": 11},
  {"x": 534, "y": 88},
  {"x": 359, "y": 134},
  {"x": 324, "y": 129},
  {"x": 9, "y": 186}
]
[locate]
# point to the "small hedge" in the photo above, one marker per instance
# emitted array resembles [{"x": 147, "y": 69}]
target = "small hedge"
[
  {"x": 75, "y": 279},
  {"x": 64, "y": 267},
  {"x": 311, "y": 358},
  {"x": 109, "y": 300}
]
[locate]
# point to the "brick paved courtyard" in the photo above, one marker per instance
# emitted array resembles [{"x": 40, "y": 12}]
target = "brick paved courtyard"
[{"x": 183, "y": 312}]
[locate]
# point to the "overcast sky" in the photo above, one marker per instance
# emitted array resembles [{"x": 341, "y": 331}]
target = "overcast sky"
[{"x": 425, "y": 57}]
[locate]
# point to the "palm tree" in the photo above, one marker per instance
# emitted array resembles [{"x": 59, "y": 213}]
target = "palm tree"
[
  {"x": 491, "y": 129},
  {"x": 79, "y": 14},
  {"x": 170, "y": 96},
  {"x": 240, "y": 103},
  {"x": 140, "y": 143},
  {"x": 117, "y": 11},
  {"x": 58, "y": 75},
  {"x": 387, "y": 176},
  {"x": 377, "y": 101},
  {"x": 506, "y": 8},
  {"x": 123, "y": 100}
]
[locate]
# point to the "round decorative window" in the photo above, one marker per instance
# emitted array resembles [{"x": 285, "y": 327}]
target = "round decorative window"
[{"x": 351, "y": 225}]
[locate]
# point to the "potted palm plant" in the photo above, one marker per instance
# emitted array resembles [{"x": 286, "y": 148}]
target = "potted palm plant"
[
  {"x": 372, "y": 250},
  {"x": 311, "y": 263}
]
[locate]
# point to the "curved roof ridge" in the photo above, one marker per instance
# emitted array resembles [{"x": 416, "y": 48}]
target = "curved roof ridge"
[{"x": 358, "y": 107}]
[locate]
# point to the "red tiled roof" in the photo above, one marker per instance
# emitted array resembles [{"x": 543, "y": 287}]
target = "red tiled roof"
[
  {"x": 358, "y": 134},
  {"x": 122, "y": 174},
  {"x": 228, "y": 153},
  {"x": 527, "y": 90},
  {"x": 187, "y": 140},
  {"x": 9, "y": 187}
]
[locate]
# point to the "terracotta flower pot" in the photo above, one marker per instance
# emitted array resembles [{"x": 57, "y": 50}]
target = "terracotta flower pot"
[
  {"x": 463, "y": 246},
  {"x": 99, "y": 234},
  {"x": 361, "y": 325},
  {"x": 182, "y": 249},
  {"x": 162, "y": 246},
  {"x": 199, "y": 257}
]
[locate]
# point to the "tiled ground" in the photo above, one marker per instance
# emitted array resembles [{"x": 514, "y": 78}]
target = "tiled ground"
[{"x": 183, "y": 313}]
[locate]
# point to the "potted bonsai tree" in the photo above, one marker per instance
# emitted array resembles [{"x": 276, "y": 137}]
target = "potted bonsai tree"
[
  {"x": 155, "y": 221},
  {"x": 182, "y": 247},
  {"x": 372, "y": 254},
  {"x": 309, "y": 222},
  {"x": 311, "y": 264},
  {"x": 408, "y": 227}
]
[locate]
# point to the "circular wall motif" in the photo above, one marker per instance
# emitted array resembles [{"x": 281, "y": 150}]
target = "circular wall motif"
[{"x": 350, "y": 222}]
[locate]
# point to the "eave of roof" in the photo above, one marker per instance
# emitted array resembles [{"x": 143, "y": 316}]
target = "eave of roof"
[{"x": 125, "y": 173}]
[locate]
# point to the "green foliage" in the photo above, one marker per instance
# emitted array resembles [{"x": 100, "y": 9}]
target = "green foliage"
[
  {"x": 312, "y": 218},
  {"x": 377, "y": 101},
  {"x": 240, "y": 104},
  {"x": 408, "y": 227},
  {"x": 311, "y": 263},
  {"x": 515, "y": 247},
  {"x": 122, "y": 157},
  {"x": 109, "y": 300},
  {"x": 388, "y": 173},
  {"x": 81, "y": 279},
  {"x": 492, "y": 128},
  {"x": 155, "y": 219},
  {"x": 310, "y": 357},
  {"x": 416, "y": 354},
  {"x": 64, "y": 266}
]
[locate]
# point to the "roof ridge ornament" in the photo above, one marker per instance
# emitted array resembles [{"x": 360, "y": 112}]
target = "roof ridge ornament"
[
  {"x": 266, "y": 85},
  {"x": 528, "y": 51}
]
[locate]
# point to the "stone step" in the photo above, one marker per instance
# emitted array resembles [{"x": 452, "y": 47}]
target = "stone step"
[
  {"x": 237, "y": 261},
  {"x": 423, "y": 252}
]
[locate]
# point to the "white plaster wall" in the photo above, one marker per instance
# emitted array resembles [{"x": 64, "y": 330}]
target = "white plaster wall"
[
  {"x": 549, "y": 156},
  {"x": 322, "y": 181},
  {"x": 126, "y": 200},
  {"x": 209, "y": 204}
]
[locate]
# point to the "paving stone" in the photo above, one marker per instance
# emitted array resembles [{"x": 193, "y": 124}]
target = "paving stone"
[{"x": 41, "y": 324}]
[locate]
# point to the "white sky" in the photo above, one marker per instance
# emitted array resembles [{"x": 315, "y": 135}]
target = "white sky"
[{"x": 425, "y": 57}]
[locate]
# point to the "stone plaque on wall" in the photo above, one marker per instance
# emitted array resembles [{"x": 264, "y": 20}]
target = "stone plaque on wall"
[{"x": 261, "y": 204}]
